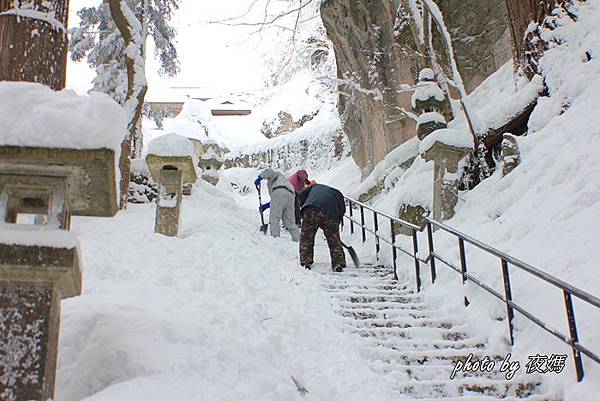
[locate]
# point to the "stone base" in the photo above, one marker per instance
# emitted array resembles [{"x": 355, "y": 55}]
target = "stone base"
[
  {"x": 412, "y": 214},
  {"x": 29, "y": 328},
  {"x": 33, "y": 279}
]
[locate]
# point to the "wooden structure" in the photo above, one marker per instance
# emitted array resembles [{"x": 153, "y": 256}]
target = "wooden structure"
[{"x": 33, "y": 42}]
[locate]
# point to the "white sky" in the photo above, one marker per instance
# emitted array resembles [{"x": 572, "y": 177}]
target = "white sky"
[{"x": 217, "y": 57}]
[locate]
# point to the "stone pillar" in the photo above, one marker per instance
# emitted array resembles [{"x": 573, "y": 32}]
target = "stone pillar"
[
  {"x": 38, "y": 267},
  {"x": 446, "y": 177},
  {"x": 168, "y": 205}
]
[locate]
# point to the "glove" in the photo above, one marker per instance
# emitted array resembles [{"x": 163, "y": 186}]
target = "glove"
[
  {"x": 257, "y": 182},
  {"x": 264, "y": 207}
]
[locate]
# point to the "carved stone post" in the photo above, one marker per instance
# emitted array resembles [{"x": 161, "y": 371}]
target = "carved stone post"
[
  {"x": 168, "y": 205},
  {"x": 446, "y": 177}
]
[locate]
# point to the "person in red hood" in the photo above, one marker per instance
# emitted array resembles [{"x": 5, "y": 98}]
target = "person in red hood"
[{"x": 298, "y": 180}]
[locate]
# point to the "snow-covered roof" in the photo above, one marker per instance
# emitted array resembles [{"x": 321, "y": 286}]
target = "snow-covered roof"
[
  {"x": 426, "y": 74},
  {"x": 35, "y": 115},
  {"x": 171, "y": 145},
  {"x": 432, "y": 116},
  {"x": 425, "y": 91},
  {"x": 457, "y": 138}
]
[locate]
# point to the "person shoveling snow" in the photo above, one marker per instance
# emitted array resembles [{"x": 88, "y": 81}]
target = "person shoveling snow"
[
  {"x": 282, "y": 203},
  {"x": 322, "y": 207}
]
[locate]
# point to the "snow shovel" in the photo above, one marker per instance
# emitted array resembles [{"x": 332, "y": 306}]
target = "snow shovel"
[
  {"x": 353, "y": 255},
  {"x": 263, "y": 227}
]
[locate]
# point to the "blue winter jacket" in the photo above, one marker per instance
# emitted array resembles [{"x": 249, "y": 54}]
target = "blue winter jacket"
[{"x": 322, "y": 196}]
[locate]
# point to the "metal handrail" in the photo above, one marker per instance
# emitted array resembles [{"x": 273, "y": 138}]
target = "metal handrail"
[
  {"x": 568, "y": 290},
  {"x": 583, "y": 295}
]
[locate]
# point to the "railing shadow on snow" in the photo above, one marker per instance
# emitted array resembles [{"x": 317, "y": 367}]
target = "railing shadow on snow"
[{"x": 569, "y": 291}]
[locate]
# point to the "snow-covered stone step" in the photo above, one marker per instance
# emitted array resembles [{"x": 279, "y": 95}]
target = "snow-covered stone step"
[
  {"x": 396, "y": 371},
  {"x": 384, "y": 307},
  {"x": 448, "y": 356},
  {"x": 410, "y": 333},
  {"x": 441, "y": 323},
  {"x": 367, "y": 313},
  {"x": 368, "y": 299},
  {"x": 420, "y": 344},
  {"x": 468, "y": 386},
  {"x": 359, "y": 286},
  {"x": 349, "y": 275},
  {"x": 348, "y": 292},
  {"x": 470, "y": 397}
]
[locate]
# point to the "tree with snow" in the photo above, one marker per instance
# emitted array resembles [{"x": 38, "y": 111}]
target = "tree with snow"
[{"x": 105, "y": 42}]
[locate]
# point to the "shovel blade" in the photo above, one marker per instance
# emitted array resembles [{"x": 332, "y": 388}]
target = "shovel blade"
[{"x": 354, "y": 256}]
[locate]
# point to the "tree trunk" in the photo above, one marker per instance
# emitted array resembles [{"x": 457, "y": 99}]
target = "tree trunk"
[
  {"x": 33, "y": 45},
  {"x": 132, "y": 31},
  {"x": 521, "y": 13}
]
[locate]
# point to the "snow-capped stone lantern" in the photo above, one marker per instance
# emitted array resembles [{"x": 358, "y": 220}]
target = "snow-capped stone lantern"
[
  {"x": 428, "y": 101},
  {"x": 210, "y": 163},
  {"x": 171, "y": 159},
  {"x": 63, "y": 161},
  {"x": 447, "y": 148}
]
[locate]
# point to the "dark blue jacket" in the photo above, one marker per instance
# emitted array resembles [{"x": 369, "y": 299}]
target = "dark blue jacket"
[{"x": 329, "y": 199}]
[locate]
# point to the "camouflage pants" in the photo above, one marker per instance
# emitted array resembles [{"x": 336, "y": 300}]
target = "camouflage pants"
[{"x": 313, "y": 219}]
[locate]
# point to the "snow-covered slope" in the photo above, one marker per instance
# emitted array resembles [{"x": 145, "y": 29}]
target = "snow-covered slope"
[
  {"x": 546, "y": 212},
  {"x": 223, "y": 313}
]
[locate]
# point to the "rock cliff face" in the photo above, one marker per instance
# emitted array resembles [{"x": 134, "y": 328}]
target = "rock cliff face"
[
  {"x": 374, "y": 58},
  {"x": 480, "y": 37},
  {"x": 377, "y": 59}
]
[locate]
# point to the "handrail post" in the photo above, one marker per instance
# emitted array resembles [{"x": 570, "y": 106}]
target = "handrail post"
[
  {"x": 351, "y": 221},
  {"x": 362, "y": 223},
  {"x": 431, "y": 252},
  {"x": 573, "y": 333},
  {"x": 508, "y": 298},
  {"x": 394, "y": 250},
  {"x": 417, "y": 264},
  {"x": 376, "y": 229},
  {"x": 463, "y": 264}
]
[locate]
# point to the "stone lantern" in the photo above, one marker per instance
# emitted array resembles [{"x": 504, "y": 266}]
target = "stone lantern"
[
  {"x": 447, "y": 148},
  {"x": 171, "y": 159},
  {"x": 58, "y": 157},
  {"x": 428, "y": 101},
  {"x": 210, "y": 163}
]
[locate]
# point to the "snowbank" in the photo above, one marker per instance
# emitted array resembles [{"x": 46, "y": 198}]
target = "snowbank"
[
  {"x": 500, "y": 97},
  {"x": 222, "y": 313},
  {"x": 35, "y": 115}
]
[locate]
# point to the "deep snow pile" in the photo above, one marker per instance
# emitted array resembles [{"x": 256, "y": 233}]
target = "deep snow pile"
[
  {"x": 546, "y": 211},
  {"x": 224, "y": 313},
  {"x": 35, "y": 115}
]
